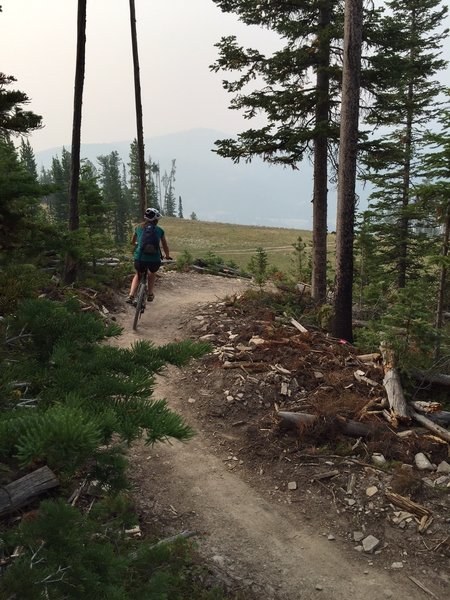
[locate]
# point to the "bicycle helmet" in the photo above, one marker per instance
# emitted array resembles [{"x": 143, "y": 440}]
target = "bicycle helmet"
[{"x": 152, "y": 214}]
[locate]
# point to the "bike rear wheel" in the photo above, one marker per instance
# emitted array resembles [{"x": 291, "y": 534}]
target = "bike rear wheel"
[{"x": 140, "y": 304}]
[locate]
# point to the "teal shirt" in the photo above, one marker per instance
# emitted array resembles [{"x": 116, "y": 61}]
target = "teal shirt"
[{"x": 147, "y": 258}]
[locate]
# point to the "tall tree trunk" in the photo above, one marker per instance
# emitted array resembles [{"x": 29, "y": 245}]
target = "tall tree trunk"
[
  {"x": 140, "y": 128},
  {"x": 404, "y": 220},
  {"x": 71, "y": 265},
  {"x": 320, "y": 191},
  {"x": 342, "y": 326}
]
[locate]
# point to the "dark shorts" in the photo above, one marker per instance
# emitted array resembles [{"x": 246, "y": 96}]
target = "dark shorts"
[{"x": 141, "y": 266}]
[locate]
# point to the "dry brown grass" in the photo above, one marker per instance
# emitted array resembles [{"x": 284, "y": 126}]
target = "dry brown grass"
[{"x": 235, "y": 242}]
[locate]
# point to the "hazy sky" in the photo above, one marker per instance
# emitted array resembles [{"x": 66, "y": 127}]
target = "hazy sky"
[{"x": 176, "y": 46}]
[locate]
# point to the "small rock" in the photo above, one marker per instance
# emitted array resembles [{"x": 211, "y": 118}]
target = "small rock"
[
  {"x": 331, "y": 537},
  {"x": 422, "y": 462},
  {"x": 442, "y": 480},
  {"x": 443, "y": 467},
  {"x": 209, "y": 337},
  {"x": 292, "y": 485},
  {"x": 397, "y": 565},
  {"x": 319, "y": 587},
  {"x": 191, "y": 400},
  {"x": 350, "y": 501},
  {"x": 370, "y": 543},
  {"x": 371, "y": 491},
  {"x": 318, "y": 375},
  {"x": 230, "y": 398},
  {"x": 378, "y": 459},
  {"x": 257, "y": 341},
  {"x": 358, "y": 536}
]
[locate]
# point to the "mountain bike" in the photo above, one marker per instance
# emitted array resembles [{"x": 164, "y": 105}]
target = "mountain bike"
[{"x": 142, "y": 294}]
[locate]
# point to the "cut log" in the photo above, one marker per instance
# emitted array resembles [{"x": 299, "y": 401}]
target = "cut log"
[
  {"x": 350, "y": 428},
  {"x": 24, "y": 490},
  {"x": 429, "y": 424}
]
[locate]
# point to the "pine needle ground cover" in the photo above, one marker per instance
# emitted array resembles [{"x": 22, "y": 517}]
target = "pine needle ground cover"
[{"x": 73, "y": 404}]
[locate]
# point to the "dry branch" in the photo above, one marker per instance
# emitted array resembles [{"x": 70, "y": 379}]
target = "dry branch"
[{"x": 408, "y": 505}]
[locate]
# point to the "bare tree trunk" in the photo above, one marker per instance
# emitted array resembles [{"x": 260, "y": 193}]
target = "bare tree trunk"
[
  {"x": 320, "y": 192},
  {"x": 70, "y": 271},
  {"x": 140, "y": 127},
  {"x": 342, "y": 326}
]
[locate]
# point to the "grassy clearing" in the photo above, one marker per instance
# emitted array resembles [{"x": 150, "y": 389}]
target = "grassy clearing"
[{"x": 234, "y": 242}]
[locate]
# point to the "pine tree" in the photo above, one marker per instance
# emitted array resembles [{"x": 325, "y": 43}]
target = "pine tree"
[
  {"x": 180, "y": 208},
  {"x": 113, "y": 196},
  {"x": 435, "y": 195},
  {"x": 93, "y": 211},
  {"x": 14, "y": 120},
  {"x": 27, "y": 158},
  {"x": 59, "y": 199},
  {"x": 406, "y": 89},
  {"x": 302, "y": 116},
  {"x": 134, "y": 183},
  {"x": 168, "y": 182},
  {"x": 18, "y": 201}
]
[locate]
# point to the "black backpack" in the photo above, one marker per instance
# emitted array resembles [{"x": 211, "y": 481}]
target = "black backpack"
[{"x": 149, "y": 241}]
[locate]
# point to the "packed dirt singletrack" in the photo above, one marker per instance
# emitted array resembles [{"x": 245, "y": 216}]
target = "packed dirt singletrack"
[{"x": 253, "y": 542}]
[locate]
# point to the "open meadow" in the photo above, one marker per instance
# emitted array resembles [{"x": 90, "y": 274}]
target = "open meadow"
[{"x": 235, "y": 242}]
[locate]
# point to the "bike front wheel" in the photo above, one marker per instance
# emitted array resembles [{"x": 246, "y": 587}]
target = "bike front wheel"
[{"x": 140, "y": 305}]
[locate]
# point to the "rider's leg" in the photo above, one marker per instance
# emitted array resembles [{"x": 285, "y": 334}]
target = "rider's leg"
[
  {"x": 153, "y": 267},
  {"x": 134, "y": 281},
  {"x": 151, "y": 284}
]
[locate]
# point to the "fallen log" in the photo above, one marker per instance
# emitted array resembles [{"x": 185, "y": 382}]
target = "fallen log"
[
  {"x": 350, "y": 428},
  {"x": 27, "y": 488},
  {"x": 429, "y": 424},
  {"x": 437, "y": 378},
  {"x": 373, "y": 357}
]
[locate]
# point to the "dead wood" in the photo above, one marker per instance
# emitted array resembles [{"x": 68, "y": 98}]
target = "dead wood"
[
  {"x": 367, "y": 358},
  {"x": 429, "y": 424},
  {"x": 436, "y": 378},
  {"x": 396, "y": 398},
  {"x": 24, "y": 490},
  {"x": 425, "y": 407},
  {"x": 408, "y": 505},
  {"x": 298, "y": 326},
  {"x": 350, "y": 428}
]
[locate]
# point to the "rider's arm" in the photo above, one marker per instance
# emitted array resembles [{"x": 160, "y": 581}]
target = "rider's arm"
[{"x": 165, "y": 248}]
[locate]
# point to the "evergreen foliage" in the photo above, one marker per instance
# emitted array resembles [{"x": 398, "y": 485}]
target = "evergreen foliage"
[
  {"x": 405, "y": 101},
  {"x": 114, "y": 196},
  {"x": 14, "y": 120},
  {"x": 258, "y": 267}
]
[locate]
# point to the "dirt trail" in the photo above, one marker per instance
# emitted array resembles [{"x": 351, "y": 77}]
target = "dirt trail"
[{"x": 255, "y": 542}]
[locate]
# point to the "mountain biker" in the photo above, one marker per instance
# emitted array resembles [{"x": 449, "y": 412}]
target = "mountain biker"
[{"x": 151, "y": 262}]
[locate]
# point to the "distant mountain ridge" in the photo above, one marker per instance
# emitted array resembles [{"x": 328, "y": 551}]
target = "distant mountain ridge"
[{"x": 215, "y": 188}]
